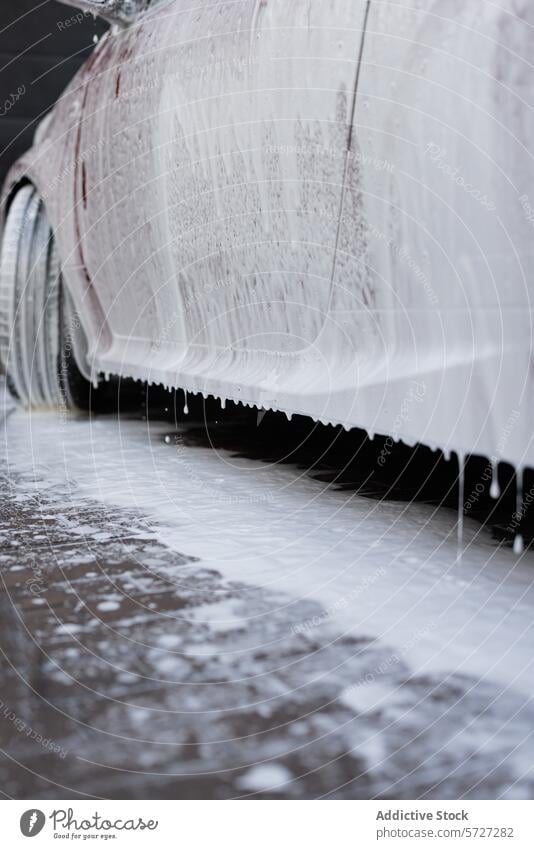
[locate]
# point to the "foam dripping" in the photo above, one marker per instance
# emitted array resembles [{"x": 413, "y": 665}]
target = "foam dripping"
[
  {"x": 518, "y": 539},
  {"x": 495, "y": 489},
  {"x": 460, "y": 523}
]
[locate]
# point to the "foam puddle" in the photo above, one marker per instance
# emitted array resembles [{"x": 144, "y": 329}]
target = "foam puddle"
[{"x": 378, "y": 569}]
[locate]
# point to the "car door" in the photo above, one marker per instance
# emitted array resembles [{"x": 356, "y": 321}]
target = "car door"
[
  {"x": 211, "y": 204},
  {"x": 432, "y": 272}
]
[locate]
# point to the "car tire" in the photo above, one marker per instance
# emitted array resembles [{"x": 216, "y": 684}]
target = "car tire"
[{"x": 36, "y": 348}]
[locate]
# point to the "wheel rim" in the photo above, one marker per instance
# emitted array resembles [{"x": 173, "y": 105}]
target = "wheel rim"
[
  {"x": 32, "y": 312},
  {"x": 9, "y": 269},
  {"x": 50, "y": 331},
  {"x": 29, "y": 302}
]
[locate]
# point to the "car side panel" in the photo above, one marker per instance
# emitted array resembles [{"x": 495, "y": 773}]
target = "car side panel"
[
  {"x": 210, "y": 205},
  {"x": 433, "y": 274}
]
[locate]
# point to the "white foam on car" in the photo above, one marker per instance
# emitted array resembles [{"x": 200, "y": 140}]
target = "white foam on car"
[{"x": 323, "y": 208}]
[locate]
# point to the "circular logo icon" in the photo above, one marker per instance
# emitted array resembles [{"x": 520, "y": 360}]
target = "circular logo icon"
[{"x": 32, "y": 822}]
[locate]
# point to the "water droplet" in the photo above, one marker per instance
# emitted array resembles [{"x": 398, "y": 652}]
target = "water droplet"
[
  {"x": 518, "y": 541},
  {"x": 460, "y": 525},
  {"x": 518, "y": 544},
  {"x": 495, "y": 490}
]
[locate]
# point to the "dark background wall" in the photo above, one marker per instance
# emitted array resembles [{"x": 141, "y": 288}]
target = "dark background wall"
[{"x": 42, "y": 44}]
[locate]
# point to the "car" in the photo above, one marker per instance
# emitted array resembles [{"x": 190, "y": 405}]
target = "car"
[{"x": 323, "y": 208}]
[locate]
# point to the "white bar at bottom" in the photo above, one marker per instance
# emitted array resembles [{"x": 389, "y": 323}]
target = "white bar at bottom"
[{"x": 269, "y": 824}]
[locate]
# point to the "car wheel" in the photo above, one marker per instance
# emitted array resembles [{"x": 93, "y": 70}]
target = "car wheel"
[{"x": 36, "y": 350}]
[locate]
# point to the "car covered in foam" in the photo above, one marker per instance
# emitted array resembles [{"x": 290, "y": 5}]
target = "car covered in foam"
[{"x": 324, "y": 208}]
